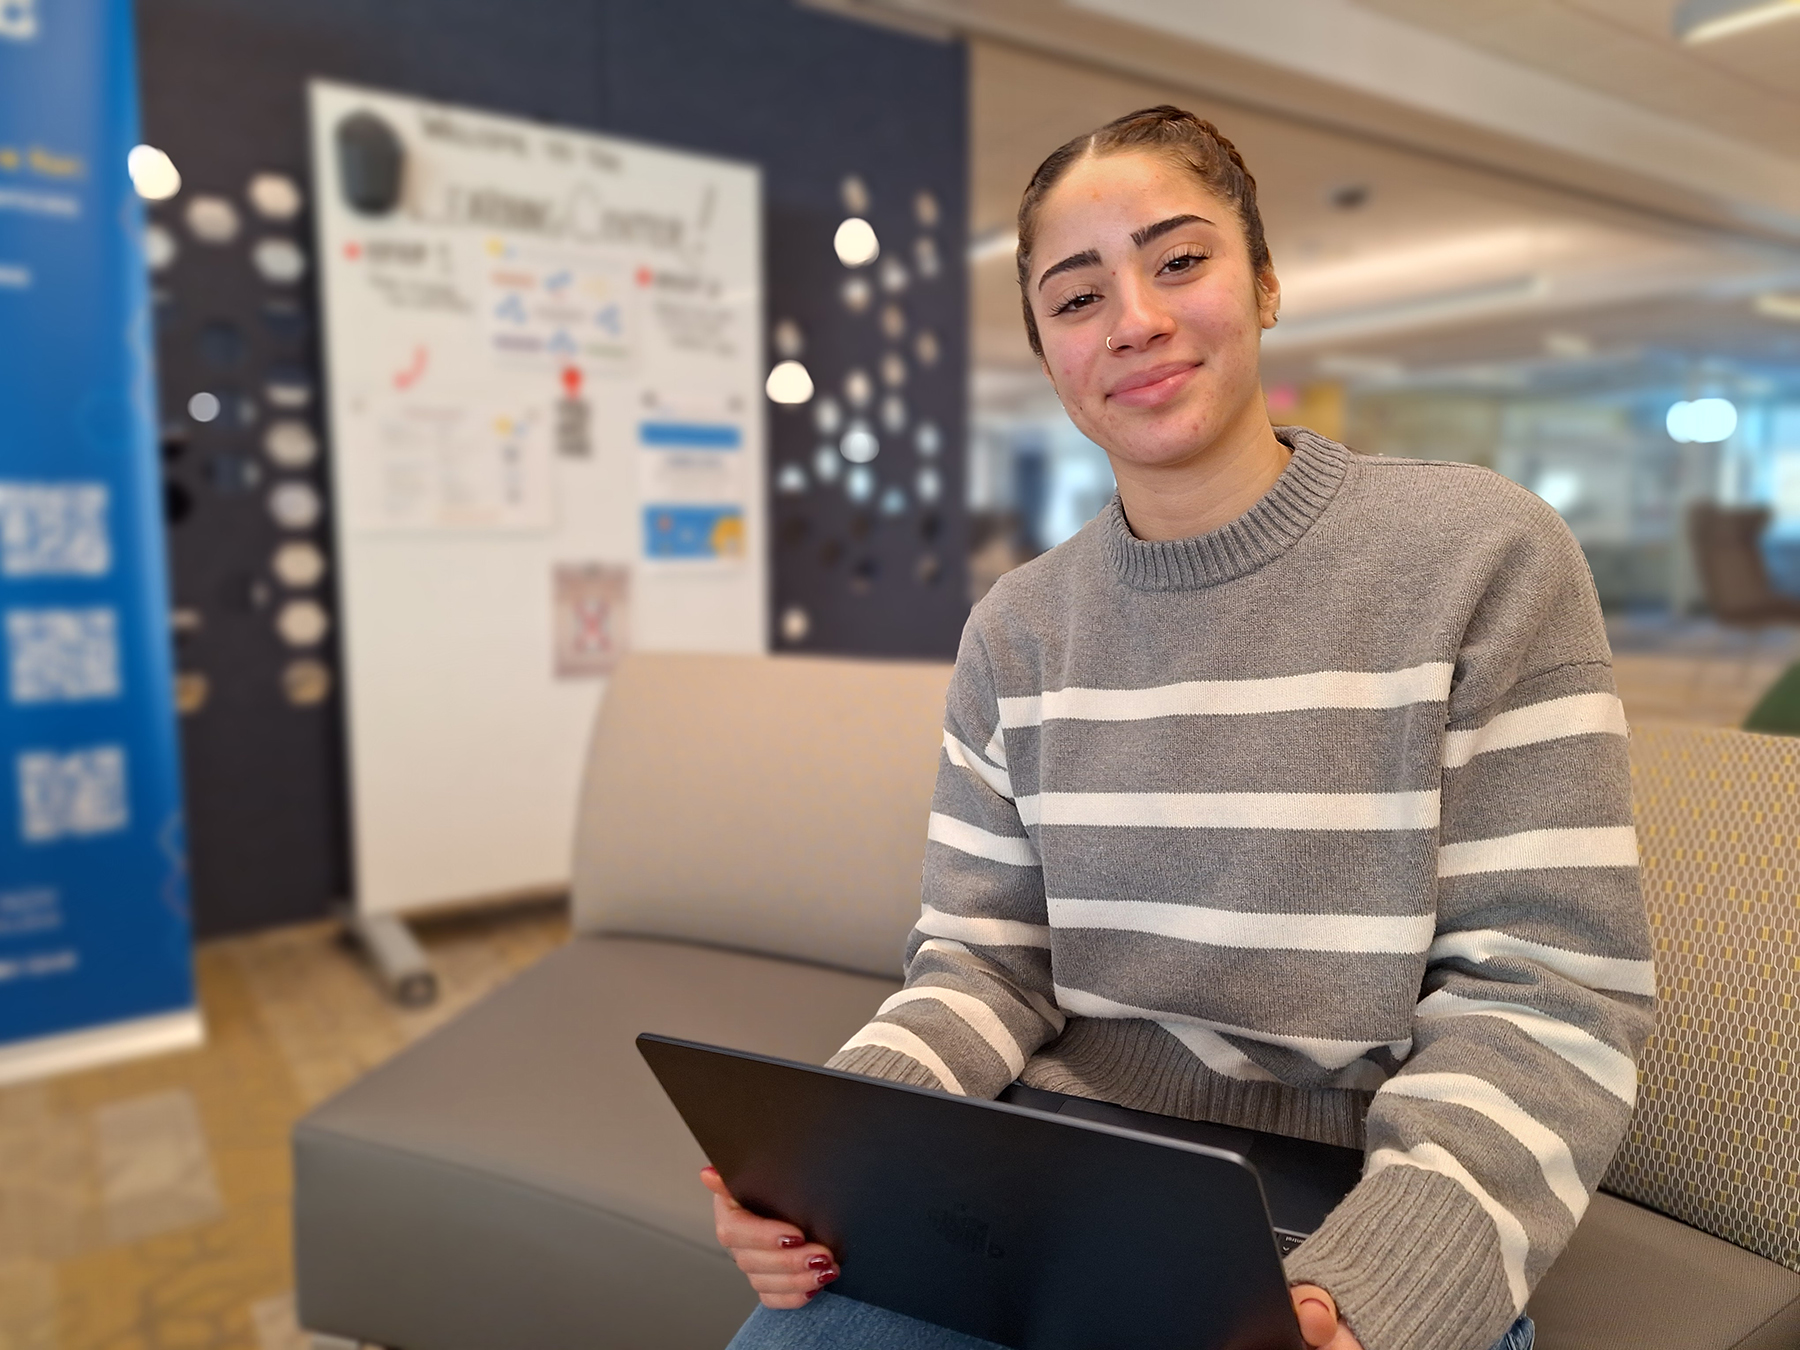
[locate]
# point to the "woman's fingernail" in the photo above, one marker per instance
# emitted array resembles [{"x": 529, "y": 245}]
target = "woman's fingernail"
[
  {"x": 819, "y": 1263},
  {"x": 788, "y": 1243},
  {"x": 826, "y": 1277}
]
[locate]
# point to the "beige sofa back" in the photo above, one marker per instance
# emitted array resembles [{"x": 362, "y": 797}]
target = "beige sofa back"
[
  {"x": 1714, "y": 1140},
  {"x": 773, "y": 804}
]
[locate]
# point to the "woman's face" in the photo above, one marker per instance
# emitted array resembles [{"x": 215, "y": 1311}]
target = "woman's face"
[{"x": 1134, "y": 248}]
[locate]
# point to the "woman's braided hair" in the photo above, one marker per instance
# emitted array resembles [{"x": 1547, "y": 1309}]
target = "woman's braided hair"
[{"x": 1190, "y": 141}]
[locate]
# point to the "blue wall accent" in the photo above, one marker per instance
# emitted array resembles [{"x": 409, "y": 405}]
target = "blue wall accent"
[{"x": 93, "y": 896}]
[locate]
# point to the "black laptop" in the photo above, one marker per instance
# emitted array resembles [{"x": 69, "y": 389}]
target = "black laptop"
[{"x": 1040, "y": 1221}]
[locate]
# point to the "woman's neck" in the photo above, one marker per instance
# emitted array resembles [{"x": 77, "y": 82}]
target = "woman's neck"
[{"x": 1212, "y": 488}]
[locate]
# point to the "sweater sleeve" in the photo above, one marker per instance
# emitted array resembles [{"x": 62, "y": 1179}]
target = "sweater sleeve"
[
  {"x": 978, "y": 1000},
  {"x": 1486, "y": 1145}
]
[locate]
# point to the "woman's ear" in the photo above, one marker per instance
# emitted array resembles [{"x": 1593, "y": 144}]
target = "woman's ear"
[{"x": 1268, "y": 296}]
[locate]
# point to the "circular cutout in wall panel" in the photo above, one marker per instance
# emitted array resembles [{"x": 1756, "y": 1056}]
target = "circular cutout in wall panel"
[
  {"x": 161, "y": 248},
  {"x": 796, "y": 623},
  {"x": 790, "y": 479},
  {"x": 859, "y": 483},
  {"x": 222, "y": 345},
  {"x": 288, "y": 388},
  {"x": 893, "y": 414},
  {"x": 863, "y": 576},
  {"x": 928, "y": 484},
  {"x": 925, "y": 257},
  {"x": 858, "y": 388},
  {"x": 856, "y": 293},
  {"x": 925, "y": 209},
  {"x": 291, "y": 443},
  {"x": 204, "y": 406},
  {"x": 928, "y": 440},
  {"x": 893, "y": 321},
  {"x": 280, "y": 262},
  {"x": 232, "y": 474},
  {"x": 302, "y": 623},
  {"x": 295, "y": 506},
  {"x": 925, "y": 347},
  {"x": 893, "y": 501},
  {"x": 178, "y": 502},
  {"x": 274, "y": 196},
  {"x": 298, "y": 564},
  {"x": 893, "y": 370},
  {"x": 306, "y": 683},
  {"x": 826, "y": 464},
  {"x": 828, "y": 415},
  {"x": 854, "y": 193},
  {"x": 860, "y": 445},
  {"x": 192, "y": 689},
  {"x": 212, "y": 220},
  {"x": 286, "y": 320},
  {"x": 790, "y": 343},
  {"x": 893, "y": 276},
  {"x": 831, "y": 552},
  {"x": 928, "y": 569}
]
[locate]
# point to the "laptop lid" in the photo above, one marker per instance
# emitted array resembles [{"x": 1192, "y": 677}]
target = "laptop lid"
[{"x": 1037, "y": 1231}]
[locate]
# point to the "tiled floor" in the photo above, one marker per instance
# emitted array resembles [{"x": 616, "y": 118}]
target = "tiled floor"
[{"x": 145, "y": 1207}]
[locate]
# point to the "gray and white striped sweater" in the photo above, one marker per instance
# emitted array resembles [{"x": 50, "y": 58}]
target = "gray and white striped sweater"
[{"x": 1321, "y": 824}]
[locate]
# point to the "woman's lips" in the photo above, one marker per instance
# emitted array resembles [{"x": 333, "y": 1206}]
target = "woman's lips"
[{"x": 1158, "y": 384}]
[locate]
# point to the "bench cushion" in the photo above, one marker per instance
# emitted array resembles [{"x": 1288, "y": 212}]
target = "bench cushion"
[
  {"x": 1632, "y": 1277},
  {"x": 518, "y": 1180}
]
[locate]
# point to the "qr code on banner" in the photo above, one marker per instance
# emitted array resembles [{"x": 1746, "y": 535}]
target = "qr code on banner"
[
  {"x": 81, "y": 792},
  {"x": 54, "y": 530},
  {"x": 62, "y": 655}
]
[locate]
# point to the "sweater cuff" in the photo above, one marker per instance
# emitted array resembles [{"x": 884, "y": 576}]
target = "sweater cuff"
[
  {"x": 1413, "y": 1262},
  {"x": 875, "y": 1061}
]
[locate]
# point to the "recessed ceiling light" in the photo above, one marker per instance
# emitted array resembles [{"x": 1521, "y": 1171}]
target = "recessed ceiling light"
[{"x": 1707, "y": 20}]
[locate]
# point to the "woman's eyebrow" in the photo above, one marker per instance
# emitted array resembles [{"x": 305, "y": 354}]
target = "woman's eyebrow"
[
  {"x": 1088, "y": 257},
  {"x": 1162, "y": 227}
]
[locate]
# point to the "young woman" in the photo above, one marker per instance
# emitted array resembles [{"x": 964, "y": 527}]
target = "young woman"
[{"x": 1291, "y": 793}]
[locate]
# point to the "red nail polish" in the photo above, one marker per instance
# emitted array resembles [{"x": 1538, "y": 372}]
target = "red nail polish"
[
  {"x": 812, "y": 1293},
  {"x": 826, "y": 1277},
  {"x": 788, "y": 1243},
  {"x": 818, "y": 1263}
]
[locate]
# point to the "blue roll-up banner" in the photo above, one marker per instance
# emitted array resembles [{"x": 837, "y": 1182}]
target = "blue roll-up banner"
[{"x": 95, "y": 953}]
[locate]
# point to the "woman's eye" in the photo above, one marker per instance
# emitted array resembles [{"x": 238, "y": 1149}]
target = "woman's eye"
[
  {"x": 1075, "y": 302},
  {"x": 1184, "y": 262}
]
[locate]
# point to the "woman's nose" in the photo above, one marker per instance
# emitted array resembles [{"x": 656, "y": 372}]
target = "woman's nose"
[{"x": 1141, "y": 318}]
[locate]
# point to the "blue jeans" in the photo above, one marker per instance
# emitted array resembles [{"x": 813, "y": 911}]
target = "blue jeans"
[{"x": 831, "y": 1322}]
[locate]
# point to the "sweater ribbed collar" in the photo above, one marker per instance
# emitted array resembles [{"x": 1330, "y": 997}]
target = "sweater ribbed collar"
[{"x": 1267, "y": 530}]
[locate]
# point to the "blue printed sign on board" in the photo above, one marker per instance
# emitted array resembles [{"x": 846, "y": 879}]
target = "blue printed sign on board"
[{"x": 94, "y": 936}]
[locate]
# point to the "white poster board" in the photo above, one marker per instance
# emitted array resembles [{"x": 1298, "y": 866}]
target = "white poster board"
[{"x": 544, "y": 360}]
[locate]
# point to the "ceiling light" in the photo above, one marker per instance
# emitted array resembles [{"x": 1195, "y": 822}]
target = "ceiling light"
[
  {"x": 1776, "y": 305},
  {"x": 856, "y": 243},
  {"x": 1702, "y": 421},
  {"x": 1705, "y": 20},
  {"x": 789, "y": 382},
  {"x": 153, "y": 173}
]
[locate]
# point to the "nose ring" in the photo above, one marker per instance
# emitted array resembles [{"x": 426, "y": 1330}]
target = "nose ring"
[{"x": 1109, "y": 345}]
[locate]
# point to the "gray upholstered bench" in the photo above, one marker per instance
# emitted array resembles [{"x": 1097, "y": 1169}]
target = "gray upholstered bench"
[{"x": 748, "y": 865}]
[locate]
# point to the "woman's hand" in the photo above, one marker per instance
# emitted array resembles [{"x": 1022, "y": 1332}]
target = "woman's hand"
[
  {"x": 1320, "y": 1326},
  {"x": 784, "y": 1268}
]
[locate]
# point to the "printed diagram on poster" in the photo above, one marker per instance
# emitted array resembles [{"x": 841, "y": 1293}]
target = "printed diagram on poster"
[
  {"x": 545, "y": 372},
  {"x": 593, "y": 619}
]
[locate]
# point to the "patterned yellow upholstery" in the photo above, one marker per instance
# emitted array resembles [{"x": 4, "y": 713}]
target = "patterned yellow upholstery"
[{"x": 1713, "y": 1142}]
